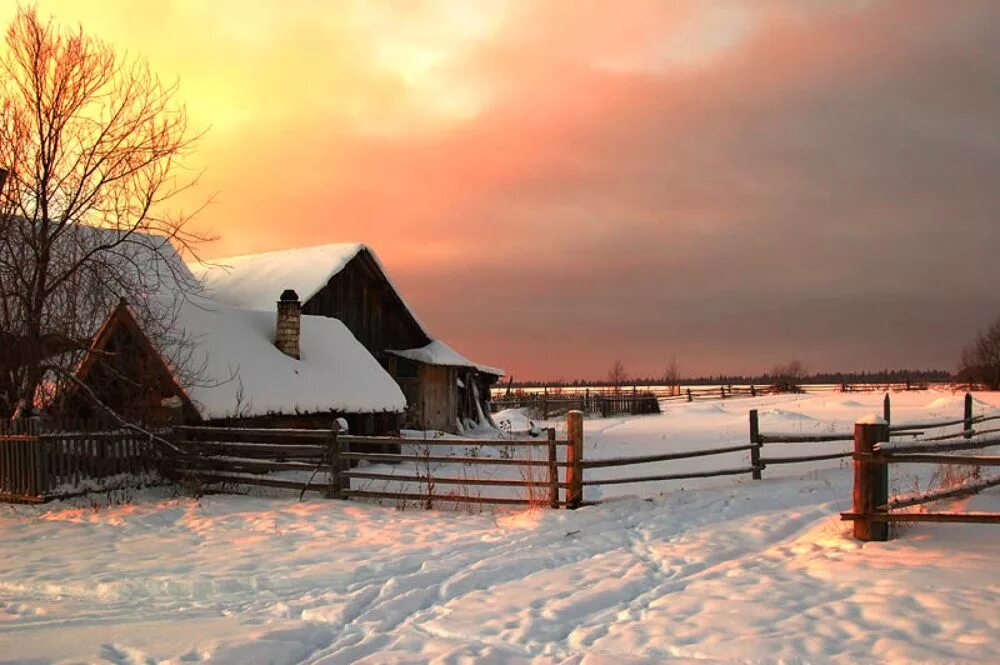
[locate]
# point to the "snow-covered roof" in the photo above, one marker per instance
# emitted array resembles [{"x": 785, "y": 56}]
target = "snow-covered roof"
[
  {"x": 244, "y": 374},
  {"x": 256, "y": 280},
  {"x": 149, "y": 263},
  {"x": 439, "y": 353}
]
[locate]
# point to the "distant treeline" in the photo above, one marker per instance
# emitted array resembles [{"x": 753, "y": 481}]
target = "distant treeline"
[{"x": 883, "y": 376}]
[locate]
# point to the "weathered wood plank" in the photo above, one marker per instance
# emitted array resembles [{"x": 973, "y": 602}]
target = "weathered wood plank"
[
  {"x": 966, "y": 490},
  {"x": 958, "y": 518},
  {"x": 808, "y": 458},
  {"x": 941, "y": 446},
  {"x": 971, "y": 460},
  {"x": 497, "y": 461},
  {"x": 797, "y": 438},
  {"x": 443, "y": 480},
  {"x": 669, "y": 476},
  {"x": 646, "y": 459},
  {"x": 444, "y": 498}
]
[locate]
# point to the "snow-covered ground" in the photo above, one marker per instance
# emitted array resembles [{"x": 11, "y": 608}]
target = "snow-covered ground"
[{"x": 724, "y": 569}]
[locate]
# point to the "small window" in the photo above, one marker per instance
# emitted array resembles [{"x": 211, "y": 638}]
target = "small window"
[{"x": 406, "y": 368}]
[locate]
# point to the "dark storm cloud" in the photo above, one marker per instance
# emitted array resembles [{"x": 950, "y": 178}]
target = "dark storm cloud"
[{"x": 829, "y": 191}]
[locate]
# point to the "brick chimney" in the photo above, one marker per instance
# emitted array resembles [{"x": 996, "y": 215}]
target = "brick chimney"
[{"x": 288, "y": 325}]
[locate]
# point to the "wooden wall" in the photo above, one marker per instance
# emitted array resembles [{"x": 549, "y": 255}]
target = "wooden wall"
[
  {"x": 360, "y": 424},
  {"x": 439, "y": 397},
  {"x": 361, "y": 296},
  {"x": 128, "y": 376}
]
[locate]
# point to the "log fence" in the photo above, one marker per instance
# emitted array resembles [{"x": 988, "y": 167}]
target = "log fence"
[
  {"x": 968, "y": 422},
  {"x": 603, "y": 404},
  {"x": 236, "y": 457},
  {"x": 37, "y": 464},
  {"x": 873, "y": 453}
]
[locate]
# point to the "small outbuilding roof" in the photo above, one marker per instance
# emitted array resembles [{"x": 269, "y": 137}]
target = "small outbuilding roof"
[{"x": 439, "y": 353}]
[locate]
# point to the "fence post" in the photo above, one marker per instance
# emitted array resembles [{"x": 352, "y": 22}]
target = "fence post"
[
  {"x": 753, "y": 391},
  {"x": 756, "y": 443},
  {"x": 689, "y": 394},
  {"x": 553, "y": 471},
  {"x": 887, "y": 410},
  {"x": 967, "y": 417},
  {"x": 574, "y": 458},
  {"x": 871, "y": 481},
  {"x": 333, "y": 490}
]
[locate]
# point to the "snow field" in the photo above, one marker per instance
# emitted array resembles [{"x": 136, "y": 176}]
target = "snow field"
[{"x": 724, "y": 569}]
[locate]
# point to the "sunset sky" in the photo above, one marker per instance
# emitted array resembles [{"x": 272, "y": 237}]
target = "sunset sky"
[{"x": 554, "y": 185}]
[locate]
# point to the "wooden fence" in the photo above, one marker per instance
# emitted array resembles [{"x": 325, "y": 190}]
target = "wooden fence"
[
  {"x": 229, "y": 457},
  {"x": 40, "y": 462},
  {"x": 714, "y": 391},
  {"x": 327, "y": 461},
  {"x": 759, "y": 461},
  {"x": 874, "y": 452},
  {"x": 37, "y": 464},
  {"x": 544, "y": 405}
]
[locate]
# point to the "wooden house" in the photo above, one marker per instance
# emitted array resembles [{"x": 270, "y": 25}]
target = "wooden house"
[
  {"x": 123, "y": 370},
  {"x": 243, "y": 367},
  {"x": 346, "y": 281}
]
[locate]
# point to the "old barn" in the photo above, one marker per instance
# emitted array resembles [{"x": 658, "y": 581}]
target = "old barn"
[
  {"x": 275, "y": 369},
  {"x": 346, "y": 281}
]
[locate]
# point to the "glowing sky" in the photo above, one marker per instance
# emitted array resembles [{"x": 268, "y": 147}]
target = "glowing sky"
[{"x": 554, "y": 185}]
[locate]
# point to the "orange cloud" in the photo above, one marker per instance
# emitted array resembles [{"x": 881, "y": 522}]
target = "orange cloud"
[{"x": 636, "y": 171}]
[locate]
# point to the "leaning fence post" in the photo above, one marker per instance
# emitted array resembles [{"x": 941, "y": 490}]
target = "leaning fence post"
[
  {"x": 871, "y": 480},
  {"x": 333, "y": 490},
  {"x": 553, "y": 470},
  {"x": 755, "y": 444},
  {"x": 967, "y": 417},
  {"x": 574, "y": 459}
]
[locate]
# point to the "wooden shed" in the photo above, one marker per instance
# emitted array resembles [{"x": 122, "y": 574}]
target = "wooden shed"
[
  {"x": 346, "y": 281},
  {"x": 248, "y": 372}
]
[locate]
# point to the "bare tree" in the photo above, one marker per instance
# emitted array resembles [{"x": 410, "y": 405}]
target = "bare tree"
[
  {"x": 92, "y": 144},
  {"x": 672, "y": 376},
  {"x": 788, "y": 378},
  {"x": 617, "y": 376},
  {"x": 980, "y": 362}
]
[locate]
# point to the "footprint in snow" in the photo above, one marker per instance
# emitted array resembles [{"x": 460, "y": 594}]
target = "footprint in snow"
[{"x": 124, "y": 655}]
